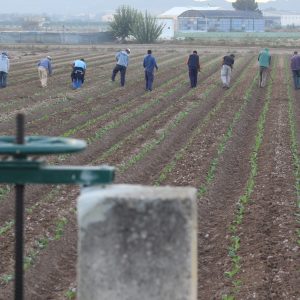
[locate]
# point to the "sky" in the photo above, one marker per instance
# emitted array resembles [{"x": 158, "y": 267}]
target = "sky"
[{"x": 67, "y": 7}]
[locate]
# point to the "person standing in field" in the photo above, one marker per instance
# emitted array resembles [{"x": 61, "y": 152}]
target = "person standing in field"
[
  {"x": 122, "y": 58},
  {"x": 44, "y": 68},
  {"x": 194, "y": 67},
  {"x": 149, "y": 64},
  {"x": 295, "y": 67},
  {"x": 78, "y": 72},
  {"x": 226, "y": 70},
  {"x": 4, "y": 68},
  {"x": 264, "y": 60}
]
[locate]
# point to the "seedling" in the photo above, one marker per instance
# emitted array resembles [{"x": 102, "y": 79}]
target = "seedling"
[
  {"x": 70, "y": 294},
  {"x": 5, "y": 279}
]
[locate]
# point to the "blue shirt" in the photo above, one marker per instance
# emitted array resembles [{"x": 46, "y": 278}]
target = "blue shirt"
[
  {"x": 122, "y": 58},
  {"x": 149, "y": 63},
  {"x": 46, "y": 63},
  {"x": 79, "y": 64}
]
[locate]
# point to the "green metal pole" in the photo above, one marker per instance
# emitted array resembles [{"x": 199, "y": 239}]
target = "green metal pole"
[
  {"x": 23, "y": 169},
  {"x": 19, "y": 218}
]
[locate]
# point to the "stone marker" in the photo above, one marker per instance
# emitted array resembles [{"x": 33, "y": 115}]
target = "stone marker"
[{"x": 137, "y": 243}]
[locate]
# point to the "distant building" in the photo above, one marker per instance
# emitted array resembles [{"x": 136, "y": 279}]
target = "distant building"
[
  {"x": 107, "y": 18},
  {"x": 33, "y": 22},
  {"x": 272, "y": 22},
  {"x": 220, "y": 21},
  {"x": 170, "y": 19},
  {"x": 285, "y": 18}
]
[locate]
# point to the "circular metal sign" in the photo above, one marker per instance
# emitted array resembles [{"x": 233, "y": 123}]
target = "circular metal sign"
[{"x": 39, "y": 145}]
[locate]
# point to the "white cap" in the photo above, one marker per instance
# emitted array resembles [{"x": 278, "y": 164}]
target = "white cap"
[{"x": 127, "y": 50}]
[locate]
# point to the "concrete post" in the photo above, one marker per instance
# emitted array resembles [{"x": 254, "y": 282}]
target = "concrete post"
[{"x": 137, "y": 243}]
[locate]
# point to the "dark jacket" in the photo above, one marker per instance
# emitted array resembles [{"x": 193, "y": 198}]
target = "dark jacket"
[
  {"x": 193, "y": 61},
  {"x": 150, "y": 63},
  {"x": 228, "y": 61},
  {"x": 295, "y": 62},
  {"x": 78, "y": 73}
]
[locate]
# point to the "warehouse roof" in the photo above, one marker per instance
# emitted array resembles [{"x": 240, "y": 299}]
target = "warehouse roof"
[
  {"x": 280, "y": 13},
  {"x": 221, "y": 14},
  {"x": 176, "y": 11}
]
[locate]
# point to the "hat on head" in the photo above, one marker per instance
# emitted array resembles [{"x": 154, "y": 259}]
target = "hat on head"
[
  {"x": 127, "y": 50},
  {"x": 49, "y": 57}
]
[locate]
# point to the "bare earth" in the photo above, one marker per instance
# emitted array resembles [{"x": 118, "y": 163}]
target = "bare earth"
[{"x": 203, "y": 137}]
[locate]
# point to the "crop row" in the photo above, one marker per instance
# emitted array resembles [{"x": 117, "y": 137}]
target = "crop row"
[
  {"x": 59, "y": 77},
  {"x": 143, "y": 107},
  {"x": 30, "y": 251},
  {"x": 62, "y": 67},
  {"x": 178, "y": 119},
  {"x": 181, "y": 116},
  {"x": 234, "y": 247},
  {"x": 294, "y": 146},
  {"x": 179, "y": 155},
  {"x": 4, "y": 194},
  {"x": 55, "y": 103}
]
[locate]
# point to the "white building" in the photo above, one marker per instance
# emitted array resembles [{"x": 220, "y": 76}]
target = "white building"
[
  {"x": 170, "y": 19},
  {"x": 287, "y": 18},
  {"x": 107, "y": 18}
]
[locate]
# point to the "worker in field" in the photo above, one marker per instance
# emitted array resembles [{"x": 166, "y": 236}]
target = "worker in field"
[
  {"x": 4, "y": 68},
  {"x": 149, "y": 65},
  {"x": 122, "y": 58},
  {"x": 193, "y": 63},
  {"x": 78, "y": 72},
  {"x": 45, "y": 69},
  {"x": 226, "y": 70},
  {"x": 264, "y": 60},
  {"x": 295, "y": 67}
]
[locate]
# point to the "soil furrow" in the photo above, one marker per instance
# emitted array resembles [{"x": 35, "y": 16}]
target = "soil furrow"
[
  {"x": 66, "y": 102},
  {"x": 216, "y": 208},
  {"x": 150, "y": 166},
  {"x": 192, "y": 168},
  {"x": 60, "y": 69},
  {"x": 49, "y": 216},
  {"x": 94, "y": 150},
  {"x": 59, "y": 84},
  {"x": 143, "y": 134},
  {"x": 103, "y": 144},
  {"x": 268, "y": 231}
]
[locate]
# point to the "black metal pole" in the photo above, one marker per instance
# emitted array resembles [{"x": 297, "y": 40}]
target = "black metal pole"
[{"x": 19, "y": 217}]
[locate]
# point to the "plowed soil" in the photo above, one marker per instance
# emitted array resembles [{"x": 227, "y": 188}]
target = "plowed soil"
[{"x": 203, "y": 137}]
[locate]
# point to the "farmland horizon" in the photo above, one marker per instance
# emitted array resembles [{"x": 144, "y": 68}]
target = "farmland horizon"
[{"x": 56, "y": 7}]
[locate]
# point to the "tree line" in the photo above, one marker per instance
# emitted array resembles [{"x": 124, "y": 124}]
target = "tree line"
[
  {"x": 143, "y": 27},
  {"x": 128, "y": 21}
]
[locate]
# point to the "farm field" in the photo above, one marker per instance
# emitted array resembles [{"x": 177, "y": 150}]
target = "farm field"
[{"x": 239, "y": 148}]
